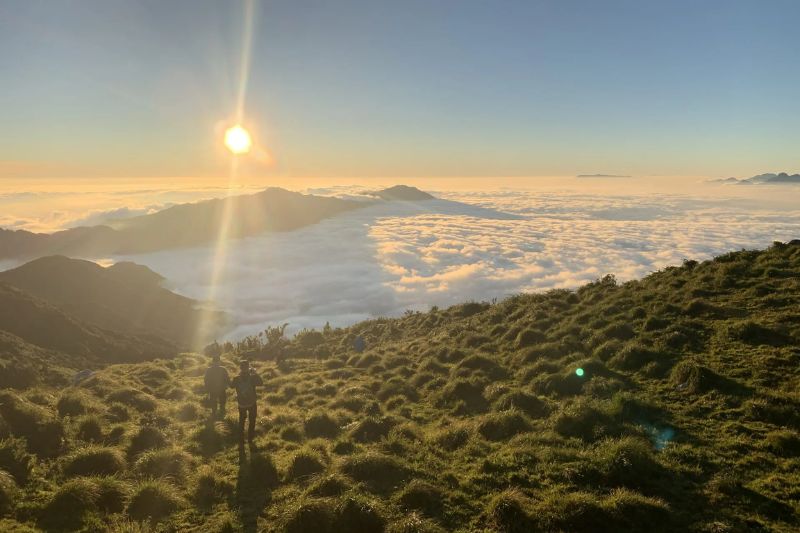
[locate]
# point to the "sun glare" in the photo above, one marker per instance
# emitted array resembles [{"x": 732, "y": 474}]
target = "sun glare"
[{"x": 237, "y": 139}]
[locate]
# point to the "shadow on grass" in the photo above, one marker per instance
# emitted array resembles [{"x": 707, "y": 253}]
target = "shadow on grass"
[{"x": 257, "y": 477}]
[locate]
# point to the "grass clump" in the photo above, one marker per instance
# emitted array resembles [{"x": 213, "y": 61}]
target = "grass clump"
[
  {"x": 94, "y": 460},
  {"x": 311, "y": 516},
  {"x": 154, "y": 500},
  {"x": 8, "y": 492},
  {"x": 783, "y": 442},
  {"x": 43, "y": 433},
  {"x": 509, "y": 512},
  {"x": 304, "y": 464},
  {"x": 73, "y": 403},
  {"x": 356, "y": 513},
  {"x": 172, "y": 463},
  {"x": 90, "y": 429},
  {"x": 15, "y": 459},
  {"x": 502, "y": 425},
  {"x": 71, "y": 505},
  {"x": 147, "y": 438},
  {"x": 210, "y": 488},
  {"x": 141, "y": 401},
  {"x": 421, "y": 496},
  {"x": 320, "y": 424},
  {"x": 379, "y": 472},
  {"x": 625, "y": 462}
]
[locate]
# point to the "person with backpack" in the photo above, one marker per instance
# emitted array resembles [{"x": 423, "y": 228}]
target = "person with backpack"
[
  {"x": 217, "y": 381},
  {"x": 245, "y": 384}
]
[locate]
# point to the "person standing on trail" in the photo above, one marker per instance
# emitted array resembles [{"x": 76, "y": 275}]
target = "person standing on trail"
[
  {"x": 217, "y": 383},
  {"x": 245, "y": 384}
]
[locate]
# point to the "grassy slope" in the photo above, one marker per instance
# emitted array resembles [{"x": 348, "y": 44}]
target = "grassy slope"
[{"x": 465, "y": 419}]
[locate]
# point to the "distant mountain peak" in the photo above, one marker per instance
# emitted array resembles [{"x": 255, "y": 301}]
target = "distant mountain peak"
[
  {"x": 768, "y": 178},
  {"x": 403, "y": 193}
]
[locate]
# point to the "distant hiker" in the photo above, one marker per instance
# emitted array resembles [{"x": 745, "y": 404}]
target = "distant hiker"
[
  {"x": 245, "y": 384},
  {"x": 359, "y": 344},
  {"x": 217, "y": 383}
]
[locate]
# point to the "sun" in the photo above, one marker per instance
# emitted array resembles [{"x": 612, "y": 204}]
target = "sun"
[{"x": 238, "y": 140}]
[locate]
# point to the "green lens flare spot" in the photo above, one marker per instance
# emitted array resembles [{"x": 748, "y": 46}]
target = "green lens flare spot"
[{"x": 579, "y": 372}]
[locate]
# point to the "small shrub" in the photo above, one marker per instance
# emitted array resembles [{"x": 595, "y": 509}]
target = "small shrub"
[
  {"x": 154, "y": 500},
  {"x": 305, "y": 463},
  {"x": 94, "y": 460}
]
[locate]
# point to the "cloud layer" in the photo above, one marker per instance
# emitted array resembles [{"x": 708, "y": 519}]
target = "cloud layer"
[
  {"x": 385, "y": 259},
  {"x": 471, "y": 245}
]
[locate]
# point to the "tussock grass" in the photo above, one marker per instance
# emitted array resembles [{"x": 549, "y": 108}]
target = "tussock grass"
[
  {"x": 94, "y": 460},
  {"x": 686, "y": 418}
]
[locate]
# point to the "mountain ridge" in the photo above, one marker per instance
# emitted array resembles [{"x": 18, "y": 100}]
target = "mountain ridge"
[{"x": 125, "y": 297}]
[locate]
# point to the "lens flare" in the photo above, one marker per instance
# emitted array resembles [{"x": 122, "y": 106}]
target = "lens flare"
[
  {"x": 579, "y": 372},
  {"x": 238, "y": 140}
]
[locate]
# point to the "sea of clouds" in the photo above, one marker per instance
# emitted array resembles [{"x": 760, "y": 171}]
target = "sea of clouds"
[{"x": 467, "y": 245}]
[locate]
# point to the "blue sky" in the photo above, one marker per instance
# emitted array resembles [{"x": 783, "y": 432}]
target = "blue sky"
[{"x": 413, "y": 88}]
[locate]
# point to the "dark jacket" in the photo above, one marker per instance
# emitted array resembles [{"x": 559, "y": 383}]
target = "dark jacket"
[
  {"x": 216, "y": 379},
  {"x": 245, "y": 385}
]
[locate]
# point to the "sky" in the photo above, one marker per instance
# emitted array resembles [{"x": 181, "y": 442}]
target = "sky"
[{"x": 359, "y": 89}]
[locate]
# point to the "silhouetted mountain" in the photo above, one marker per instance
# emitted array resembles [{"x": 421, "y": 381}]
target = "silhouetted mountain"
[
  {"x": 781, "y": 178},
  {"x": 37, "y": 322},
  {"x": 182, "y": 225},
  {"x": 402, "y": 192},
  {"x": 125, "y": 297}
]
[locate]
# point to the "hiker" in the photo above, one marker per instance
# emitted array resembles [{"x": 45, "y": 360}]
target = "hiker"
[
  {"x": 245, "y": 384},
  {"x": 359, "y": 344},
  {"x": 217, "y": 383}
]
